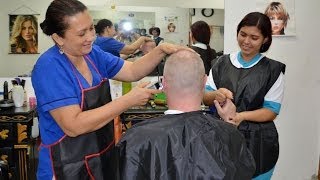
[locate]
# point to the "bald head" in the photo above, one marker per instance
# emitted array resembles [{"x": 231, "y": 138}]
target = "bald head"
[{"x": 184, "y": 72}]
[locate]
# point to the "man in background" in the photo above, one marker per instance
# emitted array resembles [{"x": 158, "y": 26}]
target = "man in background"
[{"x": 106, "y": 31}]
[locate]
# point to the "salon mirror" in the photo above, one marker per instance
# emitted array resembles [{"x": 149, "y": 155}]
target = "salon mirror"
[{"x": 145, "y": 17}]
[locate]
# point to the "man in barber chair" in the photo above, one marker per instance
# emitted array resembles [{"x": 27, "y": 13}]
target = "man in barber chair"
[{"x": 185, "y": 143}]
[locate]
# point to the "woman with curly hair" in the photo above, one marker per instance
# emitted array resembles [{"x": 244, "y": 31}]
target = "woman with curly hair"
[{"x": 24, "y": 37}]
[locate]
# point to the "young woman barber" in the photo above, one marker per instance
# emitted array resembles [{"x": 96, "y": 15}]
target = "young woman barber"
[{"x": 256, "y": 85}]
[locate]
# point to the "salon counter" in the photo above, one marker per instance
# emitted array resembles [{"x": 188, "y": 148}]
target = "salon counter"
[
  {"x": 141, "y": 113},
  {"x": 16, "y": 144}
]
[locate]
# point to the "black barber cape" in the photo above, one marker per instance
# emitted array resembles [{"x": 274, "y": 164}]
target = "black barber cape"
[{"x": 186, "y": 146}]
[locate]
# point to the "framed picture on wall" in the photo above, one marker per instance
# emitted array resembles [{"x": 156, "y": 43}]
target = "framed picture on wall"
[
  {"x": 23, "y": 34},
  {"x": 281, "y": 14},
  {"x": 172, "y": 23}
]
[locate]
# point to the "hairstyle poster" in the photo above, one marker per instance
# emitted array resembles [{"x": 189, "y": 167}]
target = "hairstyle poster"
[
  {"x": 281, "y": 14},
  {"x": 172, "y": 23},
  {"x": 23, "y": 34}
]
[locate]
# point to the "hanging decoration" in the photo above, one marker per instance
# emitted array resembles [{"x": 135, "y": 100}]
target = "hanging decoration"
[
  {"x": 172, "y": 23},
  {"x": 23, "y": 31},
  {"x": 281, "y": 14}
]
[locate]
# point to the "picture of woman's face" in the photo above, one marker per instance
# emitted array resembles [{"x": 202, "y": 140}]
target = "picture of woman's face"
[
  {"x": 172, "y": 29},
  {"x": 27, "y": 30},
  {"x": 277, "y": 24}
]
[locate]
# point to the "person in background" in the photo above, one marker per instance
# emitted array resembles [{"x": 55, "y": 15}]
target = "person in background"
[
  {"x": 126, "y": 31},
  {"x": 156, "y": 35},
  {"x": 24, "y": 35},
  {"x": 150, "y": 31},
  {"x": 279, "y": 17},
  {"x": 136, "y": 31},
  {"x": 143, "y": 32},
  {"x": 145, "y": 49},
  {"x": 105, "y": 32},
  {"x": 255, "y": 83},
  {"x": 74, "y": 105},
  {"x": 171, "y": 27},
  {"x": 200, "y": 36},
  {"x": 185, "y": 143}
]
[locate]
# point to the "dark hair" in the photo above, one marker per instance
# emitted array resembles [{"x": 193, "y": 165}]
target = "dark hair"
[
  {"x": 58, "y": 10},
  {"x": 156, "y": 29},
  {"x": 143, "y": 31},
  {"x": 263, "y": 23},
  {"x": 201, "y": 32},
  {"x": 101, "y": 25},
  {"x": 150, "y": 30},
  {"x": 116, "y": 27}
]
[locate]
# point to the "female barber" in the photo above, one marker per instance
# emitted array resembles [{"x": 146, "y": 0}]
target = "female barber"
[
  {"x": 71, "y": 84},
  {"x": 256, "y": 84}
]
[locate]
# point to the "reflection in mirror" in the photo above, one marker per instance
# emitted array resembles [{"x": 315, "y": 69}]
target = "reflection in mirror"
[
  {"x": 174, "y": 23},
  {"x": 126, "y": 22},
  {"x": 137, "y": 19},
  {"x": 215, "y": 19}
]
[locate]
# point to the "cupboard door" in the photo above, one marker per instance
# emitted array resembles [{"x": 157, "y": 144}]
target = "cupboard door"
[{"x": 7, "y": 134}]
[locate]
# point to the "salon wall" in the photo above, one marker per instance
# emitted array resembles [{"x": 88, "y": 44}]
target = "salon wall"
[
  {"x": 140, "y": 19},
  {"x": 180, "y": 36},
  {"x": 298, "y": 122},
  {"x": 17, "y": 64},
  {"x": 216, "y": 4}
]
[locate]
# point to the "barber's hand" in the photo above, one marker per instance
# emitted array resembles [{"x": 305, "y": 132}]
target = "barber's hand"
[
  {"x": 237, "y": 119},
  {"x": 168, "y": 48},
  {"x": 136, "y": 35},
  {"x": 140, "y": 95},
  {"x": 227, "y": 111},
  {"x": 146, "y": 39},
  {"x": 222, "y": 94}
]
